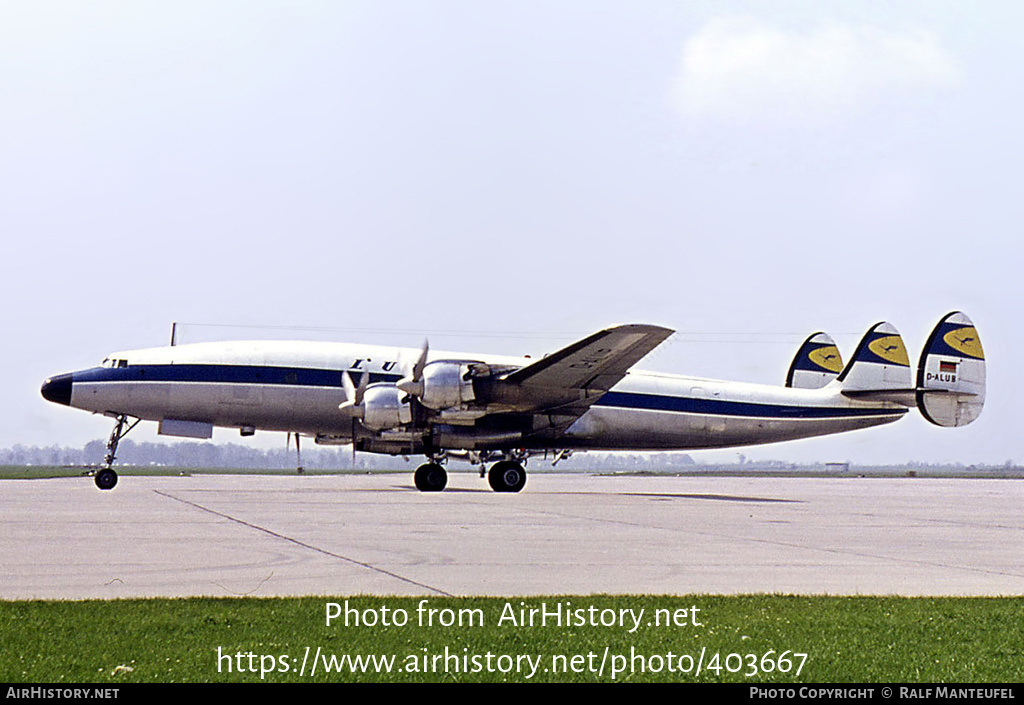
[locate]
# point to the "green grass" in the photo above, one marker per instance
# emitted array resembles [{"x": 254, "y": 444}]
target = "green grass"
[{"x": 868, "y": 639}]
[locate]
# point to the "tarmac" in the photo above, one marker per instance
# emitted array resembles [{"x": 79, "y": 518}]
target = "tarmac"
[{"x": 265, "y": 535}]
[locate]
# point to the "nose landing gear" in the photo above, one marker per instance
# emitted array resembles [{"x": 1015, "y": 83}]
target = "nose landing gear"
[{"x": 106, "y": 478}]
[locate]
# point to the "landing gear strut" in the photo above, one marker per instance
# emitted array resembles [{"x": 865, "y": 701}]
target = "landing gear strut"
[{"x": 106, "y": 478}]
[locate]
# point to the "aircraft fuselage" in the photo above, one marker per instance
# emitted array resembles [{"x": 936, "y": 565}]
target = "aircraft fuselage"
[{"x": 297, "y": 387}]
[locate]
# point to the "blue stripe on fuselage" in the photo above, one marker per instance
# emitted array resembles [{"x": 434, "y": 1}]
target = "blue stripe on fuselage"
[
  {"x": 719, "y": 407},
  {"x": 228, "y": 374}
]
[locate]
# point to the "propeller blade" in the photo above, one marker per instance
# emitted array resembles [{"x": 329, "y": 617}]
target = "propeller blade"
[
  {"x": 417, "y": 369},
  {"x": 353, "y": 404},
  {"x": 364, "y": 380},
  {"x": 350, "y": 388},
  {"x": 412, "y": 383}
]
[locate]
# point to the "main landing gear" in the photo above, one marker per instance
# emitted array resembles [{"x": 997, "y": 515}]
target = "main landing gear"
[
  {"x": 106, "y": 478},
  {"x": 506, "y": 476},
  {"x": 503, "y": 476},
  {"x": 431, "y": 477}
]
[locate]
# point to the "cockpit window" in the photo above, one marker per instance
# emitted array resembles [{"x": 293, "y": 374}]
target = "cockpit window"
[{"x": 113, "y": 362}]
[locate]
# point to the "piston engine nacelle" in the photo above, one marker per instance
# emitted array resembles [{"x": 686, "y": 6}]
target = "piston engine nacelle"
[
  {"x": 385, "y": 407},
  {"x": 443, "y": 385}
]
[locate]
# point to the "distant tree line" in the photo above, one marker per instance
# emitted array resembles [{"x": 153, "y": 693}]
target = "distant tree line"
[
  {"x": 197, "y": 454},
  {"x": 193, "y": 454}
]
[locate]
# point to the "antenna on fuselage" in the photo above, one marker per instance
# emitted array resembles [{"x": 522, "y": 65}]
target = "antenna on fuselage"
[{"x": 174, "y": 333}]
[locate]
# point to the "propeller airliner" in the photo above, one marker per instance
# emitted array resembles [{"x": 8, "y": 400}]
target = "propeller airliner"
[{"x": 497, "y": 411}]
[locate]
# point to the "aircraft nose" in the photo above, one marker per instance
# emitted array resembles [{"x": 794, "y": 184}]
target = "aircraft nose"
[{"x": 58, "y": 389}]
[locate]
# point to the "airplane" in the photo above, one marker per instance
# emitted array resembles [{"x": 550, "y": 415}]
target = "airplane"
[{"x": 499, "y": 411}]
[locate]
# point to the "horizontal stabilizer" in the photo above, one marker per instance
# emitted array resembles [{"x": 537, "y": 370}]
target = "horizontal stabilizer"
[
  {"x": 951, "y": 373},
  {"x": 879, "y": 364},
  {"x": 817, "y": 363}
]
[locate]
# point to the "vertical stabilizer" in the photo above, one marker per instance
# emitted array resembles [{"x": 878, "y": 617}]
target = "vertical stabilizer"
[
  {"x": 817, "y": 363},
  {"x": 951, "y": 373},
  {"x": 879, "y": 364}
]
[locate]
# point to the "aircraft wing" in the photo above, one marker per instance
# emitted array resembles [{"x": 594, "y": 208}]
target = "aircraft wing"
[
  {"x": 556, "y": 389},
  {"x": 595, "y": 363},
  {"x": 569, "y": 381}
]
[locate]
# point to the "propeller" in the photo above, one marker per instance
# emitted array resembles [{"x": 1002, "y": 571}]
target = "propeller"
[
  {"x": 353, "y": 404},
  {"x": 412, "y": 383}
]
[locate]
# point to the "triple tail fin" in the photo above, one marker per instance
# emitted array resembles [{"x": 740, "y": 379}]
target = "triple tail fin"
[
  {"x": 950, "y": 389},
  {"x": 951, "y": 373},
  {"x": 817, "y": 363}
]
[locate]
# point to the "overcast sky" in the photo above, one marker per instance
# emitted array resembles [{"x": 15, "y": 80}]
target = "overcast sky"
[{"x": 510, "y": 176}]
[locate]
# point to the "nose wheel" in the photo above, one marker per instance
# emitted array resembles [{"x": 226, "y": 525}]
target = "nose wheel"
[{"x": 106, "y": 479}]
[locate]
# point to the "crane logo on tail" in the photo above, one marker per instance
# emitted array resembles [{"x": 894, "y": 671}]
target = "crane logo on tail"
[
  {"x": 827, "y": 357},
  {"x": 965, "y": 341},
  {"x": 890, "y": 348}
]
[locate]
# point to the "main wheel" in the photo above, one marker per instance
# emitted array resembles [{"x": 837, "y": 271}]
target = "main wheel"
[
  {"x": 506, "y": 476},
  {"x": 106, "y": 479},
  {"x": 431, "y": 477}
]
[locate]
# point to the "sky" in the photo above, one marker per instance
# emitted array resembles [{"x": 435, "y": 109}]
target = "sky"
[{"x": 507, "y": 177}]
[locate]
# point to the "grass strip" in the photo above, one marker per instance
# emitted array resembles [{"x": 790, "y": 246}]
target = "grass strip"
[{"x": 752, "y": 639}]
